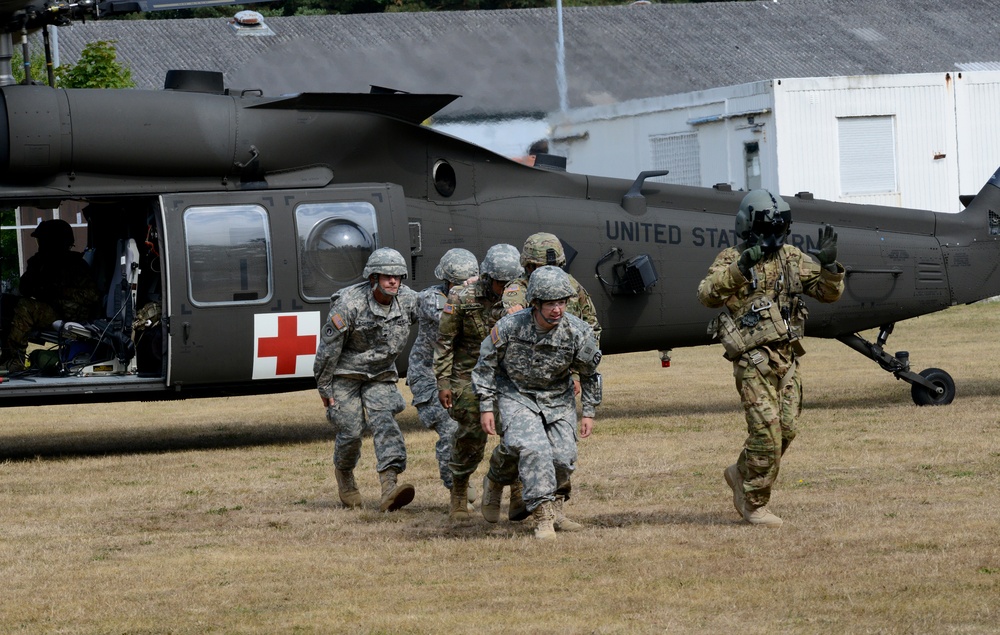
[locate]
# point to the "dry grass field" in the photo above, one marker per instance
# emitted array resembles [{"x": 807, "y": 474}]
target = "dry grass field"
[{"x": 221, "y": 516}]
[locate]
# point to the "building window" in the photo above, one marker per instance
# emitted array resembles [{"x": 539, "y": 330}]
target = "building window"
[
  {"x": 335, "y": 240},
  {"x": 678, "y": 153},
  {"x": 228, "y": 255},
  {"x": 867, "y": 155}
]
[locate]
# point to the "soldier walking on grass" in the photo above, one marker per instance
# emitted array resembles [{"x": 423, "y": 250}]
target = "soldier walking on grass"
[
  {"x": 525, "y": 369},
  {"x": 760, "y": 282},
  {"x": 355, "y": 368},
  {"x": 456, "y": 267},
  {"x": 466, "y": 320},
  {"x": 540, "y": 249}
]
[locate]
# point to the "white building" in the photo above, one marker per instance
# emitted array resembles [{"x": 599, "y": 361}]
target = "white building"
[{"x": 916, "y": 140}]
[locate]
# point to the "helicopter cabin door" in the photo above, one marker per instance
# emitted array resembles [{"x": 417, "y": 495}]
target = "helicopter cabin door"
[{"x": 250, "y": 275}]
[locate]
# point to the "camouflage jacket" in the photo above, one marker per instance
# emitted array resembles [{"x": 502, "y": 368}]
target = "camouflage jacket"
[
  {"x": 780, "y": 277},
  {"x": 359, "y": 340},
  {"x": 519, "y": 362},
  {"x": 420, "y": 373},
  {"x": 580, "y": 305},
  {"x": 466, "y": 320},
  {"x": 62, "y": 280}
]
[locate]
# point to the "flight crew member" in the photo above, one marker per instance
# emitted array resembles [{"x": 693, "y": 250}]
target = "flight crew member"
[
  {"x": 540, "y": 249},
  {"x": 355, "y": 368},
  {"x": 455, "y": 268},
  {"x": 525, "y": 367},
  {"x": 56, "y": 285},
  {"x": 467, "y": 317},
  {"x": 760, "y": 282}
]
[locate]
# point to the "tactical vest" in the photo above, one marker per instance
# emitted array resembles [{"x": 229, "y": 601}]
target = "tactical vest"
[{"x": 774, "y": 313}]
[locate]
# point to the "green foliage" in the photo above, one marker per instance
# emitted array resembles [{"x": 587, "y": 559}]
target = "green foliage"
[
  {"x": 97, "y": 67},
  {"x": 9, "y": 269},
  {"x": 37, "y": 60}
]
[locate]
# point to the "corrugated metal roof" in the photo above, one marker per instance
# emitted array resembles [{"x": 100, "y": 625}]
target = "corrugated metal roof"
[{"x": 503, "y": 62}]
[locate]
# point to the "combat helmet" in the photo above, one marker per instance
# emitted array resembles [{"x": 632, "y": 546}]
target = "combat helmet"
[
  {"x": 543, "y": 248},
  {"x": 457, "y": 265},
  {"x": 386, "y": 261},
  {"x": 549, "y": 283},
  {"x": 763, "y": 219},
  {"x": 502, "y": 263},
  {"x": 55, "y": 234}
]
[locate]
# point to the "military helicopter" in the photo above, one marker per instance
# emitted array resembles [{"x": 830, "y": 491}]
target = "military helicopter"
[{"x": 225, "y": 219}]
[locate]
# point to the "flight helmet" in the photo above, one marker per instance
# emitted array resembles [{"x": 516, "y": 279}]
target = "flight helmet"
[
  {"x": 54, "y": 235},
  {"x": 502, "y": 263},
  {"x": 763, "y": 219},
  {"x": 543, "y": 248},
  {"x": 456, "y": 266},
  {"x": 548, "y": 283},
  {"x": 386, "y": 261}
]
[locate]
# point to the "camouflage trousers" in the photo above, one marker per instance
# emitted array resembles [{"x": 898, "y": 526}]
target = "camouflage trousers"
[
  {"x": 29, "y": 314},
  {"x": 434, "y": 417},
  {"x": 366, "y": 403},
  {"x": 432, "y": 414},
  {"x": 470, "y": 440},
  {"x": 770, "y": 417},
  {"x": 504, "y": 471},
  {"x": 545, "y": 451}
]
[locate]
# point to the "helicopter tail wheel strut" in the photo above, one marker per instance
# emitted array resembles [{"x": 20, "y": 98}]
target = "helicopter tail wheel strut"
[{"x": 931, "y": 387}]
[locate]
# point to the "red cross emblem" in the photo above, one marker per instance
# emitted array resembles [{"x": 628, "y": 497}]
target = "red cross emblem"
[{"x": 285, "y": 344}]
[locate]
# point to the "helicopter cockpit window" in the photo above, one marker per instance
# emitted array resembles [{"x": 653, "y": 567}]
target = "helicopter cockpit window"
[
  {"x": 228, "y": 254},
  {"x": 335, "y": 240}
]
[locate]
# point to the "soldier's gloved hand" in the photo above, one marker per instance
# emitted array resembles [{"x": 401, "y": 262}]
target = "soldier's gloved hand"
[
  {"x": 748, "y": 259},
  {"x": 826, "y": 249}
]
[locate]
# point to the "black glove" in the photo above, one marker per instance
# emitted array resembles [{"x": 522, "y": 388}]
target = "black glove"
[
  {"x": 826, "y": 250},
  {"x": 748, "y": 259}
]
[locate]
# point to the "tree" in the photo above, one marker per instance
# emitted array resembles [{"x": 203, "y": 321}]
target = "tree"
[{"x": 97, "y": 68}]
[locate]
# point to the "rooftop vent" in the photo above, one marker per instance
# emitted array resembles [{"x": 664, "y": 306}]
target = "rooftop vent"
[{"x": 249, "y": 23}]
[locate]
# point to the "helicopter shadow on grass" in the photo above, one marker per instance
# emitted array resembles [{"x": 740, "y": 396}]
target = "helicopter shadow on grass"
[
  {"x": 157, "y": 439},
  {"x": 171, "y": 437}
]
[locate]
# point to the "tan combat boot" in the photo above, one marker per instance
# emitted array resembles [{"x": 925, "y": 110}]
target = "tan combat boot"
[
  {"x": 735, "y": 481},
  {"x": 458, "y": 511},
  {"x": 349, "y": 494},
  {"x": 544, "y": 519},
  {"x": 472, "y": 498},
  {"x": 517, "y": 510},
  {"x": 394, "y": 496},
  {"x": 761, "y": 516},
  {"x": 560, "y": 521},
  {"x": 491, "y": 500}
]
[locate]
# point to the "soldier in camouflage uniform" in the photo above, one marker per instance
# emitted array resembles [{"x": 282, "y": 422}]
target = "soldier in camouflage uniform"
[
  {"x": 355, "y": 368},
  {"x": 760, "y": 282},
  {"x": 466, "y": 320},
  {"x": 540, "y": 249},
  {"x": 545, "y": 249},
  {"x": 525, "y": 367},
  {"x": 455, "y": 268},
  {"x": 57, "y": 285}
]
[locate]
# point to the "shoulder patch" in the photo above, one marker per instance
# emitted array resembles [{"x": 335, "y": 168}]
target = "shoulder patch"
[
  {"x": 512, "y": 288},
  {"x": 449, "y": 308},
  {"x": 589, "y": 352},
  {"x": 495, "y": 335},
  {"x": 338, "y": 321}
]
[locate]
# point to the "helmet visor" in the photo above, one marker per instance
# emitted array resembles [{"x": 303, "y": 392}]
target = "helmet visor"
[{"x": 769, "y": 224}]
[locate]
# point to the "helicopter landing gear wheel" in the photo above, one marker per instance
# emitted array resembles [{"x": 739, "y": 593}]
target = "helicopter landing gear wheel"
[{"x": 925, "y": 397}]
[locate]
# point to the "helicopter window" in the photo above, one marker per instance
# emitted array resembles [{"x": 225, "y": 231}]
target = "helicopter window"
[
  {"x": 335, "y": 240},
  {"x": 445, "y": 179},
  {"x": 229, "y": 255}
]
